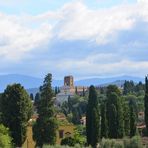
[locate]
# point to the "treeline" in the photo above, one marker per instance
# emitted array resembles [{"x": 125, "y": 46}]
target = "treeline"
[
  {"x": 16, "y": 109},
  {"x": 111, "y": 113},
  {"x": 131, "y": 88},
  {"x": 109, "y": 118}
]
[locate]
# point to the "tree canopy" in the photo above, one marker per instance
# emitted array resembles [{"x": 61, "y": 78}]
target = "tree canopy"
[
  {"x": 16, "y": 108},
  {"x": 44, "y": 130},
  {"x": 5, "y": 139}
]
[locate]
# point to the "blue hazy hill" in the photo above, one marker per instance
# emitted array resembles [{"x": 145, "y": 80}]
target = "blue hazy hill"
[{"x": 33, "y": 83}]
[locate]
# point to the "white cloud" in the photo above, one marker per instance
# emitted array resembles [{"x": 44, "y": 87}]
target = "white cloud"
[
  {"x": 16, "y": 38},
  {"x": 74, "y": 21},
  {"x": 22, "y": 34},
  {"x": 89, "y": 67},
  {"x": 80, "y": 22}
]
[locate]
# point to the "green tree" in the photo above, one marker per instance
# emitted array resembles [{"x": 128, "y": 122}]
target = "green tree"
[
  {"x": 126, "y": 119},
  {"x": 44, "y": 130},
  {"x": 132, "y": 121},
  {"x": 114, "y": 105},
  {"x": 104, "y": 124},
  {"x": 76, "y": 115},
  {"x": 5, "y": 139},
  {"x": 0, "y": 108},
  {"x": 92, "y": 118},
  {"x": 76, "y": 90},
  {"x": 129, "y": 87},
  {"x": 37, "y": 98},
  {"x": 95, "y": 129},
  {"x": 31, "y": 96},
  {"x": 112, "y": 122},
  {"x": 56, "y": 90},
  {"x": 16, "y": 110},
  {"x": 146, "y": 103},
  {"x": 75, "y": 106},
  {"x": 112, "y": 89},
  {"x": 69, "y": 141},
  {"x": 83, "y": 92}
]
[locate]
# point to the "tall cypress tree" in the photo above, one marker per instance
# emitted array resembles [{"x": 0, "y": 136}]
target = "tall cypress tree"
[
  {"x": 95, "y": 127},
  {"x": 76, "y": 90},
  {"x": 31, "y": 96},
  {"x": 104, "y": 125},
  {"x": 92, "y": 118},
  {"x": 56, "y": 90},
  {"x": 37, "y": 98},
  {"x": 44, "y": 130},
  {"x": 126, "y": 119},
  {"x": 146, "y": 102},
  {"x": 113, "y": 130},
  {"x": 120, "y": 122},
  {"x": 83, "y": 92},
  {"x": 132, "y": 121},
  {"x": 114, "y": 104}
]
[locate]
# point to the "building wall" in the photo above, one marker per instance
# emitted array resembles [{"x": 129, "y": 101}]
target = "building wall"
[
  {"x": 30, "y": 143},
  {"x": 68, "y": 131},
  {"x": 69, "y": 81}
]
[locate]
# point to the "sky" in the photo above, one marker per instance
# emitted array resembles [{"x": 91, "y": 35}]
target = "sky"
[{"x": 84, "y": 38}]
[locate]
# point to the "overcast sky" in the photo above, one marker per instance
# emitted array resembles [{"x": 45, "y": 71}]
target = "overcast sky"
[{"x": 85, "y": 38}]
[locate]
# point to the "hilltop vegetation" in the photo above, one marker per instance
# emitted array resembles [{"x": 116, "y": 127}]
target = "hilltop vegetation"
[{"x": 108, "y": 113}]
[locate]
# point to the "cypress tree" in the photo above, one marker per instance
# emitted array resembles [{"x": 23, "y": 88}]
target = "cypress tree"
[
  {"x": 112, "y": 122},
  {"x": 36, "y": 99},
  {"x": 56, "y": 90},
  {"x": 92, "y": 118},
  {"x": 76, "y": 90},
  {"x": 132, "y": 121},
  {"x": 95, "y": 127},
  {"x": 83, "y": 92},
  {"x": 113, "y": 98},
  {"x": 120, "y": 122},
  {"x": 104, "y": 126},
  {"x": 146, "y": 103},
  {"x": 126, "y": 119},
  {"x": 44, "y": 130},
  {"x": 31, "y": 96}
]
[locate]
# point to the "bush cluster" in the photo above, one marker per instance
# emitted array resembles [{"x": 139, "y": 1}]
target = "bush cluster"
[{"x": 134, "y": 142}]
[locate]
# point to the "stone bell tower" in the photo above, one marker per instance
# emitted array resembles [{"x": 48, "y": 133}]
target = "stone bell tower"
[{"x": 69, "y": 81}]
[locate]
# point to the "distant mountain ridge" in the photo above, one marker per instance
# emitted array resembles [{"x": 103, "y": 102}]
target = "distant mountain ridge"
[
  {"x": 30, "y": 82},
  {"x": 101, "y": 81}
]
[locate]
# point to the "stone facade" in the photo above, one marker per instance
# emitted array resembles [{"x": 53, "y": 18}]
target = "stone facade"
[
  {"x": 68, "y": 90},
  {"x": 69, "y": 81}
]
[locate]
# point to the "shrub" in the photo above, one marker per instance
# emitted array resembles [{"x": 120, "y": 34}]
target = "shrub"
[
  {"x": 126, "y": 143},
  {"x": 68, "y": 141},
  {"x": 64, "y": 146},
  {"x": 5, "y": 139},
  {"x": 136, "y": 142},
  {"x": 111, "y": 143}
]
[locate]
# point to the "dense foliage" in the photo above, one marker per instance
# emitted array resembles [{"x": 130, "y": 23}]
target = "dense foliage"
[
  {"x": 111, "y": 112},
  {"x": 16, "y": 109},
  {"x": 44, "y": 130},
  {"x": 114, "y": 112},
  {"x": 92, "y": 118},
  {"x": 146, "y": 103},
  {"x": 134, "y": 142},
  {"x": 118, "y": 111},
  {"x": 5, "y": 139},
  {"x": 74, "y": 108}
]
